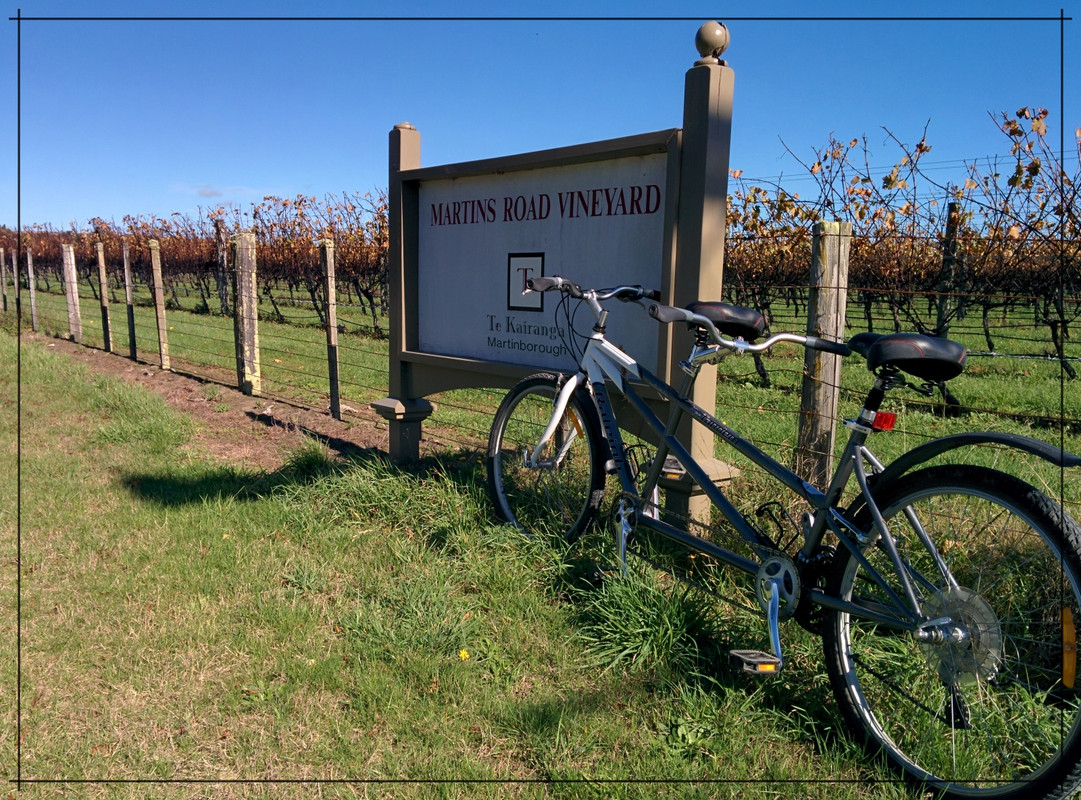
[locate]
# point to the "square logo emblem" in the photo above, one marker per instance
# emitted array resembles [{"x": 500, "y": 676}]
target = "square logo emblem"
[{"x": 520, "y": 268}]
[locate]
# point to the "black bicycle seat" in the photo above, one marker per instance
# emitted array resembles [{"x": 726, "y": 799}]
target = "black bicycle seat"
[
  {"x": 730, "y": 320},
  {"x": 925, "y": 357}
]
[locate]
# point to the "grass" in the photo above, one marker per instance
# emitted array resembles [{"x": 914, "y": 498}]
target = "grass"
[
  {"x": 293, "y": 360},
  {"x": 1015, "y": 395},
  {"x": 334, "y": 620},
  {"x": 347, "y": 621},
  {"x": 1004, "y": 395}
]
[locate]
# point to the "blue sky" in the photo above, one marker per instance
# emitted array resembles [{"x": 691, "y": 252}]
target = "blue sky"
[{"x": 152, "y": 117}]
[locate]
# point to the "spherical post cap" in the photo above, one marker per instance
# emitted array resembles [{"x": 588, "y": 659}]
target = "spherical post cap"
[{"x": 711, "y": 39}]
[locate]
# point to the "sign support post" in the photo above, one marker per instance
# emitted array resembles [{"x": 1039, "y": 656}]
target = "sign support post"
[
  {"x": 700, "y": 240},
  {"x": 404, "y": 412}
]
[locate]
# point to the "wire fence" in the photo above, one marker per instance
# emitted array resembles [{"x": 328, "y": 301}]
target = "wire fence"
[{"x": 1020, "y": 384}]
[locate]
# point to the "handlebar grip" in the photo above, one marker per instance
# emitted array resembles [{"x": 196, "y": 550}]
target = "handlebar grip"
[
  {"x": 828, "y": 346},
  {"x": 542, "y": 284},
  {"x": 670, "y": 313},
  {"x": 634, "y": 293}
]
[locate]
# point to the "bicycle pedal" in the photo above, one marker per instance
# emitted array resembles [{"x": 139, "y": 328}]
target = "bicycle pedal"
[
  {"x": 757, "y": 662},
  {"x": 672, "y": 469}
]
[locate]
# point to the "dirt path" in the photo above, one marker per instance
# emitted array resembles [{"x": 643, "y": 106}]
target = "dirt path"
[{"x": 232, "y": 427}]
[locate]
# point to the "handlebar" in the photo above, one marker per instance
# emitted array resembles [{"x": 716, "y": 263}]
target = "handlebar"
[
  {"x": 627, "y": 294},
  {"x": 828, "y": 346},
  {"x": 669, "y": 314},
  {"x": 556, "y": 282}
]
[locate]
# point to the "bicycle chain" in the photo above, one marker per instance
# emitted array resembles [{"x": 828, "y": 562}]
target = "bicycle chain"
[{"x": 813, "y": 571}]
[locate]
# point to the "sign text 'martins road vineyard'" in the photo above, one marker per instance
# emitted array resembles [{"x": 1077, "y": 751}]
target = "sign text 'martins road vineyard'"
[{"x": 479, "y": 239}]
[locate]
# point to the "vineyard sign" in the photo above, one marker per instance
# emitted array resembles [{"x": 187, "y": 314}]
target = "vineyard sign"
[
  {"x": 480, "y": 238},
  {"x": 648, "y": 209}
]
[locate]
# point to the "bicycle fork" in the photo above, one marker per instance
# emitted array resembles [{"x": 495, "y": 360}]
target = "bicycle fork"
[{"x": 560, "y": 408}]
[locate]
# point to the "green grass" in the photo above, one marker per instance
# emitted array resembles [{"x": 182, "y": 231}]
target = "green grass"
[
  {"x": 1025, "y": 396},
  {"x": 293, "y": 360},
  {"x": 1016, "y": 394},
  {"x": 333, "y": 620},
  {"x": 346, "y": 619}
]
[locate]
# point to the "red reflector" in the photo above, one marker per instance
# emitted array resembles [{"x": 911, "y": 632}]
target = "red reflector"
[{"x": 884, "y": 421}]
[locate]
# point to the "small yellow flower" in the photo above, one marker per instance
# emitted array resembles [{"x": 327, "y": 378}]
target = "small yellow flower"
[{"x": 463, "y": 654}]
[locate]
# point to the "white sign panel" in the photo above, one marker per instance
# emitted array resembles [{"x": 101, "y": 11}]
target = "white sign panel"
[{"x": 599, "y": 223}]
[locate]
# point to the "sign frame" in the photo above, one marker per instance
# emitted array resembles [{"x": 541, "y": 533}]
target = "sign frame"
[
  {"x": 425, "y": 372},
  {"x": 691, "y": 266}
]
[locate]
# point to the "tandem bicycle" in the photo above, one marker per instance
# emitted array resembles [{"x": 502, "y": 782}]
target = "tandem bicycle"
[{"x": 946, "y": 595}]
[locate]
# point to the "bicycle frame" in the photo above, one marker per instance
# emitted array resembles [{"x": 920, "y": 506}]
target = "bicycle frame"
[
  {"x": 601, "y": 361},
  {"x": 947, "y": 661}
]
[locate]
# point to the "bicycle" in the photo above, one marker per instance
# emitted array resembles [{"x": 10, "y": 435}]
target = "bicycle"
[{"x": 946, "y": 595}]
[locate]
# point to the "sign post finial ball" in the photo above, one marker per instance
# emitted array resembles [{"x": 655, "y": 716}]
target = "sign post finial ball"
[{"x": 711, "y": 39}]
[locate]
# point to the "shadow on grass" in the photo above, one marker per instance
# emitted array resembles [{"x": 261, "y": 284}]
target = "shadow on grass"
[
  {"x": 342, "y": 447},
  {"x": 319, "y": 458}
]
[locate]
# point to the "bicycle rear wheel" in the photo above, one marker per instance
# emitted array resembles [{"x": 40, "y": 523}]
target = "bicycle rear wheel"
[
  {"x": 987, "y": 704},
  {"x": 561, "y": 493}
]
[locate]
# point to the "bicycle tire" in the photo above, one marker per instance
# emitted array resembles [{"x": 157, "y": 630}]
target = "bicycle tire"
[
  {"x": 995, "y": 712},
  {"x": 555, "y": 500}
]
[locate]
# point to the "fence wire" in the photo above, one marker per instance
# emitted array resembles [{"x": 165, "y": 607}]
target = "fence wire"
[{"x": 294, "y": 360}]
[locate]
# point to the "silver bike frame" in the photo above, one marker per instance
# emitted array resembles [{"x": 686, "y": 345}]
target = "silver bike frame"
[{"x": 602, "y": 361}]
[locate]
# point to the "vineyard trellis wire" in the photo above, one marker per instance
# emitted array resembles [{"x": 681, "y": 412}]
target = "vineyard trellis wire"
[
  {"x": 1007, "y": 235},
  {"x": 1003, "y": 390}
]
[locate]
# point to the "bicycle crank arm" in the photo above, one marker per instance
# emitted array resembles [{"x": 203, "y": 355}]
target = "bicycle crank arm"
[{"x": 756, "y": 661}]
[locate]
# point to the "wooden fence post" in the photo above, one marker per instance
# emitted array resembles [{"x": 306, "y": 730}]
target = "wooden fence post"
[
  {"x": 129, "y": 302},
  {"x": 32, "y": 286},
  {"x": 822, "y": 371},
  {"x": 103, "y": 294},
  {"x": 326, "y": 255},
  {"x": 4, "y": 276},
  {"x": 221, "y": 265},
  {"x": 159, "y": 302},
  {"x": 71, "y": 292},
  {"x": 949, "y": 269},
  {"x": 246, "y": 313}
]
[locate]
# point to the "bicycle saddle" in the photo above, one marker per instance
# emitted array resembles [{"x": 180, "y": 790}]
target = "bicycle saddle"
[
  {"x": 730, "y": 320},
  {"x": 926, "y": 357}
]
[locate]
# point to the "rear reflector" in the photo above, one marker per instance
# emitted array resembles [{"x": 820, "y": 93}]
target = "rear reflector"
[{"x": 884, "y": 421}]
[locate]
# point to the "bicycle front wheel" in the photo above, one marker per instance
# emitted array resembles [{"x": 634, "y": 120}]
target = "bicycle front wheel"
[
  {"x": 982, "y": 702},
  {"x": 557, "y": 493}
]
